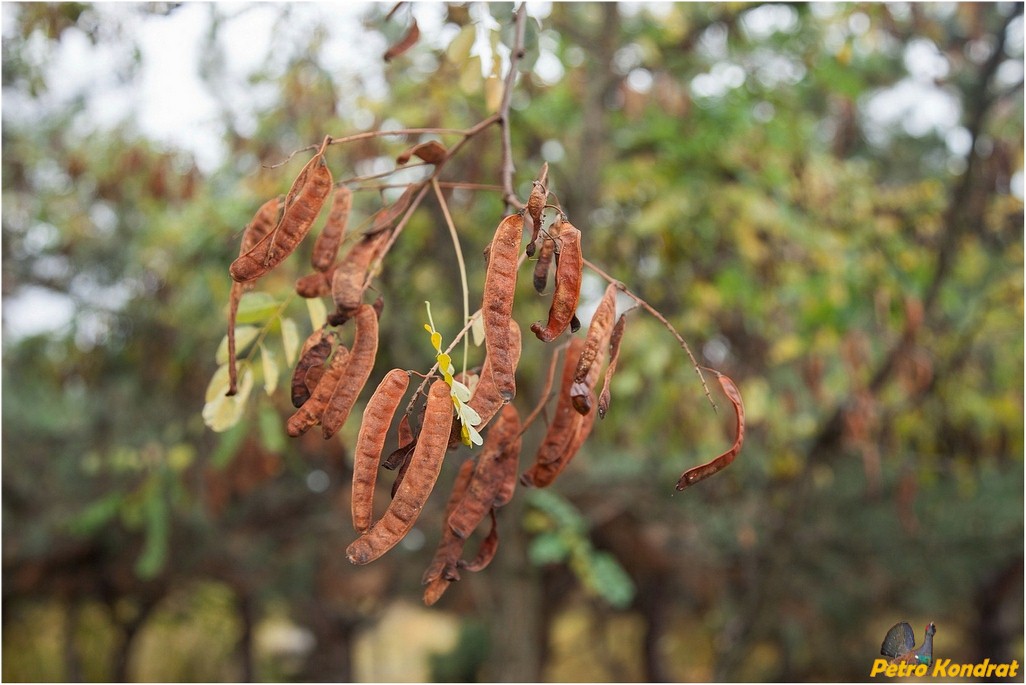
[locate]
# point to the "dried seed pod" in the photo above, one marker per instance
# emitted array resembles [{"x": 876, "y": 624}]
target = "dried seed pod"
[
  {"x": 386, "y": 217},
  {"x": 442, "y": 570},
  {"x": 309, "y": 192},
  {"x": 543, "y": 474},
  {"x": 563, "y": 421},
  {"x": 405, "y": 448},
  {"x": 541, "y": 267},
  {"x": 361, "y": 362},
  {"x": 501, "y": 449},
  {"x": 260, "y": 225},
  {"x": 315, "y": 352},
  {"x": 310, "y": 413},
  {"x": 405, "y": 43},
  {"x": 698, "y": 473},
  {"x": 401, "y": 473},
  {"x": 411, "y": 496},
  {"x": 497, "y": 306},
  {"x": 325, "y": 248},
  {"x": 535, "y": 205},
  {"x": 569, "y": 271},
  {"x": 614, "y": 356},
  {"x": 595, "y": 350},
  {"x": 317, "y": 284},
  {"x": 430, "y": 151},
  {"x": 349, "y": 278},
  {"x": 486, "y": 552},
  {"x": 367, "y": 453},
  {"x": 486, "y": 400}
]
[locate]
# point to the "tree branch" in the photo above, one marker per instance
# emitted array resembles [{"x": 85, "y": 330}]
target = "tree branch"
[{"x": 509, "y": 196}]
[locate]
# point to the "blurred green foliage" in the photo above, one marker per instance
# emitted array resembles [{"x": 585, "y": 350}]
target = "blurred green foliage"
[{"x": 860, "y": 278}]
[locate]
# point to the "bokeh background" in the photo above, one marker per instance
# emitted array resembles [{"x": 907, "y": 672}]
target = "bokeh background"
[{"x": 826, "y": 200}]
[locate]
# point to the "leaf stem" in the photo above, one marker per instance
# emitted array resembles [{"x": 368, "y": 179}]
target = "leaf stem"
[
  {"x": 459, "y": 259},
  {"x": 662, "y": 319}
]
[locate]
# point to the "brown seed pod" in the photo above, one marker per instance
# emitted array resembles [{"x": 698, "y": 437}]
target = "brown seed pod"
[
  {"x": 317, "y": 284},
  {"x": 315, "y": 352},
  {"x": 486, "y": 400},
  {"x": 614, "y": 356},
  {"x": 501, "y": 449},
  {"x": 386, "y": 217},
  {"x": 361, "y": 362},
  {"x": 411, "y": 496},
  {"x": 569, "y": 271},
  {"x": 367, "y": 453},
  {"x": 310, "y": 413},
  {"x": 403, "y": 468},
  {"x": 535, "y": 205},
  {"x": 309, "y": 192},
  {"x": 405, "y": 43},
  {"x": 542, "y": 475},
  {"x": 497, "y": 305},
  {"x": 541, "y": 267},
  {"x": 325, "y": 248},
  {"x": 351, "y": 274},
  {"x": 595, "y": 350},
  {"x": 442, "y": 570},
  {"x": 563, "y": 421},
  {"x": 406, "y": 444},
  {"x": 486, "y": 552},
  {"x": 262, "y": 223},
  {"x": 699, "y": 473},
  {"x": 259, "y": 226},
  {"x": 430, "y": 151}
]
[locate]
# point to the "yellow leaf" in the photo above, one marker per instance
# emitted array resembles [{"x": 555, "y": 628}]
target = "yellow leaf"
[
  {"x": 218, "y": 384},
  {"x": 477, "y": 330},
  {"x": 270, "y": 367},
  {"x": 290, "y": 340},
  {"x": 244, "y": 337},
  {"x": 223, "y": 412},
  {"x": 318, "y": 312}
]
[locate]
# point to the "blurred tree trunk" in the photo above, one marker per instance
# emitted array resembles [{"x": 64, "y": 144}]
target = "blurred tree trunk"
[{"x": 517, "y": 618}]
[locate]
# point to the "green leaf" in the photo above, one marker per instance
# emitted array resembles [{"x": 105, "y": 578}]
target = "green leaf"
[
  {"x": 610, "y": 580},
  {"x": 290, "y": 340},
  {"x": 547, "y": 548},
  {"x": 154, "y": 554},
  {"x": 228, "y": 445},
  {"x": 244, "y": 337},
  {"x": 96, "y": 515},
  {"x": 271, "y": 433},
  {"x": 257, "y": 308}
]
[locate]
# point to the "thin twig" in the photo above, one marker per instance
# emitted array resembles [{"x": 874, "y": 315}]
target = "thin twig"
[
  {"x": 431, "y": 372},
  {"x": 546, "y": 392},
  {"x": 373, "y": 134},
  {"x": 509, "y": 196},
  {"x": 459, "y": 258},
  {"x": 460, "y": 185},
  {"x": 415, "y": 204},
  {"x": 654, "y": 312}
]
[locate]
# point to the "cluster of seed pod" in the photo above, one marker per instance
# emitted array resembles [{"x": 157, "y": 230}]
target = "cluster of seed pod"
[{"x": 329, "y": 377}]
